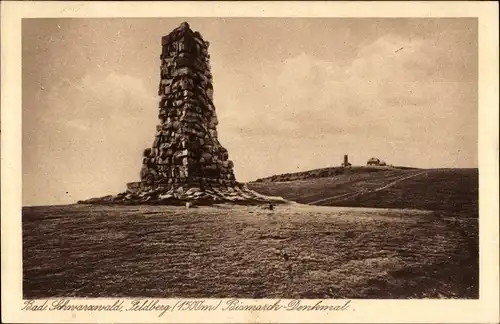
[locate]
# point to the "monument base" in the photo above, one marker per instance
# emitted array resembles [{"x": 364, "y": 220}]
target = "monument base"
[{"x": 139, "y": 193}]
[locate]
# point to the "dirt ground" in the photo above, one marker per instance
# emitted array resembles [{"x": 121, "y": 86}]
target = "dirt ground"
[{"x": 294, "y": 251}]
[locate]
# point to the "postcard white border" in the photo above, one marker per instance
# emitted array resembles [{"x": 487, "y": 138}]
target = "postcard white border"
[{"x": 484, "y": 310}]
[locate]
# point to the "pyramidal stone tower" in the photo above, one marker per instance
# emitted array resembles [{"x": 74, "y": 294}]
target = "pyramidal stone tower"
[
  {"x": 186, "y": 162},
  {"x": 186, "y": 151}
]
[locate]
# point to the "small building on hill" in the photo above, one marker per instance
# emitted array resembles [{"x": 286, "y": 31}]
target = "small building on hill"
[{"x": 375, "y": 162}]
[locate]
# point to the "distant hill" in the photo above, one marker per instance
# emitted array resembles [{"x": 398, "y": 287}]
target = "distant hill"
[
  {"x": 446, "y": 190},
  {"x": 328, "y": 172}
]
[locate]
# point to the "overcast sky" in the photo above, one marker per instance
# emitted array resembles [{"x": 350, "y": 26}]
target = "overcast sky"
[{"x": 290, "y": 94}]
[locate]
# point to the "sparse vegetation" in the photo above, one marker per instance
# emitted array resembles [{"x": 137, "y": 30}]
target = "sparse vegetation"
[
  {"x": 245, "y": 252},
  {"x": 292, "y": 251},
  {"x": 446, "y": 190},
  {"x": 328, "y": 172}
]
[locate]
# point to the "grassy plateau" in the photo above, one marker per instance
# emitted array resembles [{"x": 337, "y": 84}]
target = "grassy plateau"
[{"x": 424, "y": 246}]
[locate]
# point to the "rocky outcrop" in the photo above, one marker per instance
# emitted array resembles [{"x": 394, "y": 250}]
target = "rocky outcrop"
[{"x": 180, "y": 196}]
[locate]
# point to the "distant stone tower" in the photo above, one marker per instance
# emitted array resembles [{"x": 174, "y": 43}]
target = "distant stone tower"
[
  {"x": 186, "y": 150},
  {"x": 346, "y": 163}
]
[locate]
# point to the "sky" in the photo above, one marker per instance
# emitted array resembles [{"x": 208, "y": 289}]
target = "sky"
[{"x": 291, "y": 94}]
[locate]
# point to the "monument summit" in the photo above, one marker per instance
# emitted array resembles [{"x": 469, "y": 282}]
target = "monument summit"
[{"x": 186, "y": 161}]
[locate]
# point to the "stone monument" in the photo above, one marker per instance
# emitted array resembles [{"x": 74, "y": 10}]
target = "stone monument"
[{"x": 186, "y": 162}]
